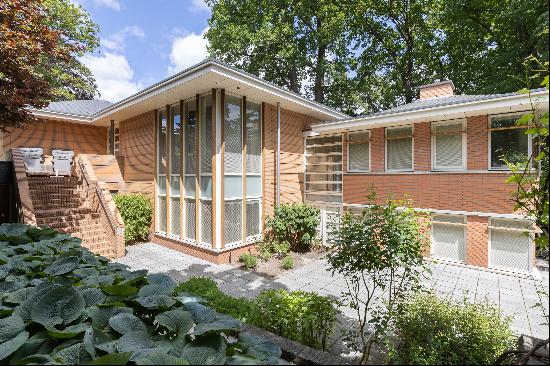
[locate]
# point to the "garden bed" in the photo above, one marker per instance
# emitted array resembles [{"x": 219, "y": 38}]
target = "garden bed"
[{"x": 272, "y": 268}]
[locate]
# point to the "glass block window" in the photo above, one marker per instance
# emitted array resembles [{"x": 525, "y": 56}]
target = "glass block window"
[
  {"x": 324, "y": 168},
  {"x": 399, "y": 148},
  {"x": 448, "y": 145},
  {"x": 449, "y": 237},
  {"x": 359, "y": 151},
  {"x": 508, "y": 142}
]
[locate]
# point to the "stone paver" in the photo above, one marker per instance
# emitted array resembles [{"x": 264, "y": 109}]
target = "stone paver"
[{"x": 515, "y": 296}]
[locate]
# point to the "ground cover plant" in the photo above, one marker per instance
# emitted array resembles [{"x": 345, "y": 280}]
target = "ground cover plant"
[
  {"x": 304, "y": 317},
  {"x": 137, "y": 212},
  {"x": 62, "y": 304},
  {"x": 434, "y": 331}
]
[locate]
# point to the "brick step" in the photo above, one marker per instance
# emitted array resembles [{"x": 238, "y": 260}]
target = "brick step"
[
  {"x": 63, "y": 212},
  {"x": 76, "y": 226}
]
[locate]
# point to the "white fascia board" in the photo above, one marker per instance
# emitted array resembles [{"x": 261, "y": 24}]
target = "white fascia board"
[
  {"x": 59, "y": 116},
  {"x": 436, "y": 113},
  {"x": 276, "y": 91}
]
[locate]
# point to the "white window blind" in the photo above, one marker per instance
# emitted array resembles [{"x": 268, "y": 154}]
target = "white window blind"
[
  {"x": 449, "y": 237},
  {"x": 510, "y": 244},
  {"x": 359, "y": 151},
  {"x": 399, "y": 149},
  {"x": 447, "y": 143}
]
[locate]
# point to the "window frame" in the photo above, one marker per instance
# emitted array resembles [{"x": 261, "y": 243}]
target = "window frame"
[
  {"x": 489, "y": 139},
  {"x": 464, "y": 135},
  {"x": 491, "y": 227},
  {"x": 386, "y": 149},
  {"x": 348, "y": 170},
  {"x": 464, "y": 224}
]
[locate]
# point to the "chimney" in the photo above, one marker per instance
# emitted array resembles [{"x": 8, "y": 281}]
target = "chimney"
[{"x": 443, "y": 88}]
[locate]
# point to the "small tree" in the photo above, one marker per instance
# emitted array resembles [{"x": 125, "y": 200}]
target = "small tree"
[
  {"x": 379, "y": 254},
  {"x": 293, "y": 225}
]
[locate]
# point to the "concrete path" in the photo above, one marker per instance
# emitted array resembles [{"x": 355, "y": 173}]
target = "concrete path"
[{"x": 515, "y": 296}]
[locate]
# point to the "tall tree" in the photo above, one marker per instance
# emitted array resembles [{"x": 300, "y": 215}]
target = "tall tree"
[
  {"x": 40, "y": 42},
  {"x": 297, "y": 44}
]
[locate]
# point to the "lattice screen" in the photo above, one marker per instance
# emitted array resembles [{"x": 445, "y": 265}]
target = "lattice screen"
[
  {"x": 162, "y": 214},
  {"x": 206, "y": 134},
  {"x": 190, "y": 131},
  {"x": 233, "y": 135},
  {"x": 448, "y": 241},
  {"x": 252, "y": 218},
  {"x": 509, "y": 248},
  {"x": 190, "y": 219},
  {"x": 233, "y": 225},
  {"x": 206, "y": 222},
  {"x": 253, "y": 139},
  {"x": 175, "y": 216}
]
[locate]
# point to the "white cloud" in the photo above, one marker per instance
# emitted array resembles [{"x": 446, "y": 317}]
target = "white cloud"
[
  {"x": 199, "y": 6},
  {"x": 113, "y": 4},
  {"x": 116, "y": 41},
  {"x": 113, "y": 75},
  {"x": 187, "y": 50}
]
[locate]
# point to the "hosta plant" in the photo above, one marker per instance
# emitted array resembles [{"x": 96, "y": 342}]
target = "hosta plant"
[{"x": 61, "y": 304}]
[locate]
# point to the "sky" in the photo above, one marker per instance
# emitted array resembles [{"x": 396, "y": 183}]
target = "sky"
[{"x": 144, "y": 41}]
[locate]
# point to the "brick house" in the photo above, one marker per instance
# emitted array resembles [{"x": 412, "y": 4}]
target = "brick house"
[{"x": 216, "y": 149}]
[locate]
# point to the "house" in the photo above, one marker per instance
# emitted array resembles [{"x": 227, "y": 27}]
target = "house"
[{"x": 216, "y": 148}]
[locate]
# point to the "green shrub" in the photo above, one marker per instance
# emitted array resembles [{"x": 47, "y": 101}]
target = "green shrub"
[
  {"x": 265, "y": 256},
  {"x": 236, "y": 307},
  {"x": 293, "y": 225},
  {"x": 248, "y": 260},
  {"x": 287, "y": 263},
  {"x": 136, "y": 211},
  {"x": 61, "y": 304},
  {"x": 305, "y": 317},
  {"x": 434, "y": 331}
]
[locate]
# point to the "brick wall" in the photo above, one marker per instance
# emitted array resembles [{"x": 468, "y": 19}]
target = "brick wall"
[
  {"x": 477, "y": 140},
  {"x": 477, "y": 238},
  {"x": 422, "y": 146}
]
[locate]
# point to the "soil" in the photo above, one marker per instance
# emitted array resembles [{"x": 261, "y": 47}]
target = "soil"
[{"x": 272, "y": 268}]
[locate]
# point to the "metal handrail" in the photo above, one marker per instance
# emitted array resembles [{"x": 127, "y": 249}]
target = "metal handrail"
[{"x": 110, "y": 217}]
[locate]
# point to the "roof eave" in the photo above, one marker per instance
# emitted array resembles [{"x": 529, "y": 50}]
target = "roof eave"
[
  {"x": 40, "y": 113},
  {"x": 466, "y": 109}
]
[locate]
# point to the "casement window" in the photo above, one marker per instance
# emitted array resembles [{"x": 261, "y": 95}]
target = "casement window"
[
  {"x": 359, "y": 151},
  {"x": 510, "y": 244},
  {"x": 449, "y": 237},
  {"x": 449, "y": 145},
  {"x": 253, "y": 142},
  {"x": 399, "y": 148},
  {"x": 324, "y": 169},
  {"x": 507, "y": 141}
]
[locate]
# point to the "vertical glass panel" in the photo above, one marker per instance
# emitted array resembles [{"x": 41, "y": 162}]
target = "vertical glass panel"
[
  {"x": 161, "y": 185},
  {"x": 162, "y": 131},
  {"x": 189, "y": 186},
  {"x": 175, "y": 186},
  {"x": 162, "y": 214},
  {"x": 206, "y": 222},
  {"x": 233, "y": 222},
  {"x": 233, "y": 135},
  {"x": 190, "y": 207},
  {"x": 206, "y": 186},
  {"x": 233, "y": 187},
  {"x": 190, "y": 134},
  {"x": 206, "y": 133},
  {"x": 253, "y": 186},
  {"x": 175, "y": 217},
  {"x": 175, "y": 159},
  {"x": 253, "y": 139},
  {"x": 252, "y": 218},
  {"x": 508, "y": 145}
]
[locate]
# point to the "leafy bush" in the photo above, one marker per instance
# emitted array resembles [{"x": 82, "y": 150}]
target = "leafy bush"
[
  {"x": 305, "y": 317},
  {"x": 287, "y": 263},
  {"x": 248, "y": 260},
  {"x": 137, "y": 212},
  {"x": 433, "y": 331},
  {"x": 238, "y": 308},
  {"x": 265, "y": 255},
  {"x": 61, "y": 304},
  {"x": 293, "y": 225},
  {"x": 301, "y": 316}
]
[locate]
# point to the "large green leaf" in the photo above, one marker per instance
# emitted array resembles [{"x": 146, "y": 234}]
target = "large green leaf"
[
  {"x": 258, "y": 347},
  {"x": 19, "y": 296},
  {"x": 60, "y": 305},
  {"x": 100, "y": 315},
  {"x": 92, "y": 296},
  {"x": 10, "y": 346},
  {"x": 62, "y": 266},
  {"x": 71, "y": 353},
  {"x": 37, "y": 344},
  {"x": 119, "y": 290},
  {"x": 158, "y": 358},
  {"x": 134, "y": 341},
  {"x": 207, "y": 350},
  {"x": 14, "y": 233},
  {"x": 11, "y": 327},
  {"x": 124, "y": 323},
  {"x": 156, "y": 301},
  {"x": 112, "y": 359},
  {"x": 161, "y": 280},
  {"x": 178, "y": 321},
  {"x": 185, "y": 298},
  {"x": 220, "y": 324},
  {"x": 201, "y": 313},
  {"x": 151, "y": 290},
  {"x": 69, "y": 332}
]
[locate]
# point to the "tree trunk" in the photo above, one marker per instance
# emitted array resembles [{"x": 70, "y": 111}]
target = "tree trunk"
[
  {"x": 293, "y": 80},
  {"x": 319, "y": 87}
]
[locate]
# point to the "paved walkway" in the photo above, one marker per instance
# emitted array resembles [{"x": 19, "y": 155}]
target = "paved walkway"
[{"x": 515, "y": 296}]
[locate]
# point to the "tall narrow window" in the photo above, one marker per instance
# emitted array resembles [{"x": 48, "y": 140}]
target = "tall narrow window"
[
  {"x": 508, "y": 142},
  {"x": 448, "y": 140},
  {"x": 175, "y": 163},
  {"x": 359, "y": 151},
  {"x": 206, "y": 169},
  {"x": 253, "y": 169},
  {"x": 399, "y": 148},
  {"x": 162, "y": 127},
  {"x": 233, "y": 180},
  {"x": 190, "y": 156}
]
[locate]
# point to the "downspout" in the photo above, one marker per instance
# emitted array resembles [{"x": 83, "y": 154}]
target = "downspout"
[{"x": 278, "y": 158}]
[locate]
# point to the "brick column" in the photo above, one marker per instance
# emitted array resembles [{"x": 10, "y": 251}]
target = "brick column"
[
  {"x": 477, "y": 241},
  {"x": 477, "y": 141},
  {"x": 422, "y": 146},
  {"x": 377, "y": 150}
]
